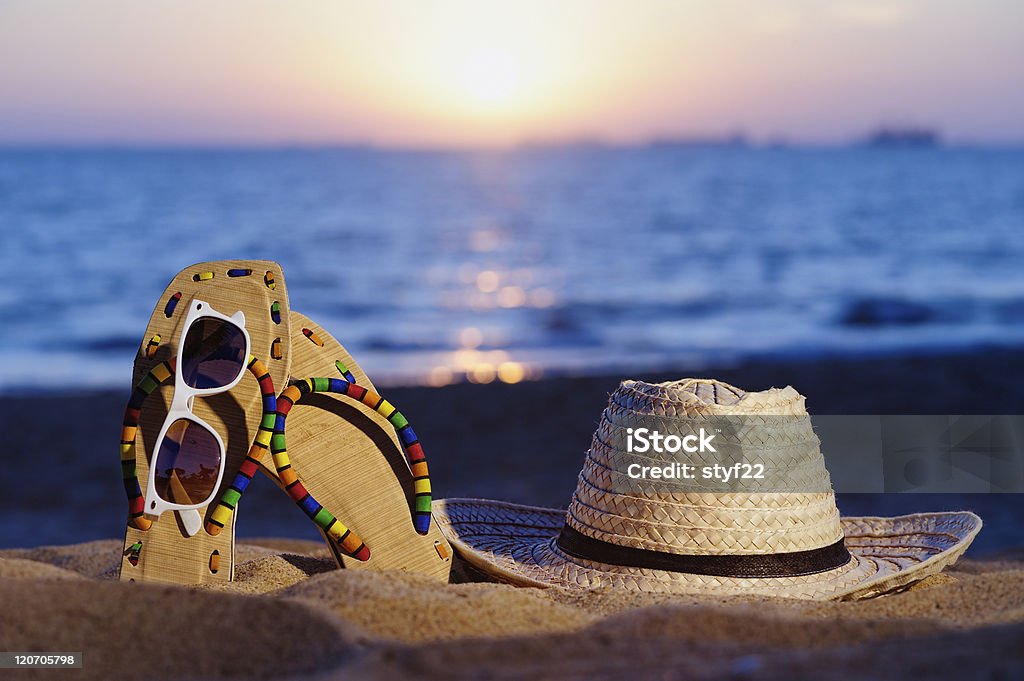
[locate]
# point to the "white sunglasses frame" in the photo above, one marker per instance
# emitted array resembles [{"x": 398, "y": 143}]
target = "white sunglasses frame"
[{"x": 181, "y": 408}]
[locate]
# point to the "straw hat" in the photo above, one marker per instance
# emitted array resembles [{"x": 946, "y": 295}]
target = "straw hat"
[{"x": 656, "y": 538}]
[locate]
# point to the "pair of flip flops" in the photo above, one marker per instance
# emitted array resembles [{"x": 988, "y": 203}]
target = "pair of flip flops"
[{"x": 351, "y": 460}]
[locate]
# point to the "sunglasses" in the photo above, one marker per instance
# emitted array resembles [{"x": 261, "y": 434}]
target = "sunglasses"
[{"x": 188, "y": 466}]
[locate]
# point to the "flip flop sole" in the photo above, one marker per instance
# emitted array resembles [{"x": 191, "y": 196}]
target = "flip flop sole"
[
  {"x": 348, "y": 457},
  {"x": 164, "y": 552}
]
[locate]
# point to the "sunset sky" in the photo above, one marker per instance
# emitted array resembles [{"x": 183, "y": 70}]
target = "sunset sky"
[{"x": 448, "y": 73}]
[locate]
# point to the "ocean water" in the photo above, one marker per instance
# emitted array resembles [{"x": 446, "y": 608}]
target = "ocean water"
[{"x": 443, "y": 266}]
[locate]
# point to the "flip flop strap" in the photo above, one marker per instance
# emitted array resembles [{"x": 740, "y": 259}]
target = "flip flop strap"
[
  {"x": 265, "y": 438},
  {"x": 230, "y": 496},
  {"x": 129, "y": 475},
  {"x": 349, "y": 541},
  {"x": 406, "y": 435}
]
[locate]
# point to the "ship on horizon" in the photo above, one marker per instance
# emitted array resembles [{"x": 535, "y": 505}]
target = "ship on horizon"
[{"x": 894, "y": 137}]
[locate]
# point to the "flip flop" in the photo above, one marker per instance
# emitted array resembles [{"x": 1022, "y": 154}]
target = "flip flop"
[
  {"x": 174, "y": 548},
  {"x": 352, "y": 462}
]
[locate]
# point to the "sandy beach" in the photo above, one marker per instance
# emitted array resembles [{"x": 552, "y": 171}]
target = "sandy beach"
[{"x": 291, "y": 615}]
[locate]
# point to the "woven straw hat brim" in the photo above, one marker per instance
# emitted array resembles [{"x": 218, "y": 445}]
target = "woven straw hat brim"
[{"x": 516, "y": 544}]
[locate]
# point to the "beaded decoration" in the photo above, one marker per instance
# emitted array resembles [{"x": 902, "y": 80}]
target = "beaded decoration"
[
  {"x": 133, "y": 552},
  {"x": 406, "y": 435},
  {"x": 271, "y": 432},
  {"x": 229, "y": 498},
  {"x": 152, "y": 345},
  {"x": 348, "y": 540},
  {"x": 308, "y": 333},
  {"x": 172, "y": 303},
  {"x": 149, "y": 383},
  {"x": 343, "y": 370}
]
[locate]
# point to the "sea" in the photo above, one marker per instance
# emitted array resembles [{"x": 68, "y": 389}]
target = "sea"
[
  {"x": 437, "y": 267},
  {"x": 442, "y": 266}
]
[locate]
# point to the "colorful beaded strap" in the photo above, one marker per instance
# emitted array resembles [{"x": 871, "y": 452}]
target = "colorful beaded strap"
[
  {"x": 230, "y": 496},
  {"x": 407, "y": 436},
  {"x": 159, "y": 375},
  {"x": 348, "y": 540},
  {"x": 149, "y": 383}
]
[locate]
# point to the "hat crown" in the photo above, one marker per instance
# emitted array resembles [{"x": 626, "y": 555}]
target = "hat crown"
[{"x": 689, "y": 522}]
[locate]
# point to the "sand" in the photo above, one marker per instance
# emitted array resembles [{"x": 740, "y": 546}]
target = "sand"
[{"x": 291, "y": 615}]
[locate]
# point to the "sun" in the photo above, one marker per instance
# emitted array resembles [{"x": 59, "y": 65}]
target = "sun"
[
  {"x": 492, "y": 85},
  {"x": 490, "y": 77}
]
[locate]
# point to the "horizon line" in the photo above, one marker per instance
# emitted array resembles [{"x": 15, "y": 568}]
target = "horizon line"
[{"x": 734, "y": 141}]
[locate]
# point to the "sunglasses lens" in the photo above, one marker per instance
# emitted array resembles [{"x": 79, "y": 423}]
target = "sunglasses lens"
[
  {"x": 214, "y": 353},
  {"x": 187, "y": 464}
]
